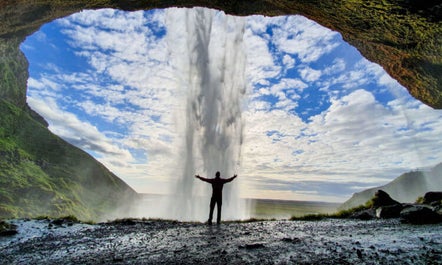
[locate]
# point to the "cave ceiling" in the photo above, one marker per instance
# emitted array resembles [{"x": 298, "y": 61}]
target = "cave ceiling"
[{"x": 403, "y": 36}]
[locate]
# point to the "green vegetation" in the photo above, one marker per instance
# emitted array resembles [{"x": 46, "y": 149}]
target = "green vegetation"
[
  {"x": 420, "y": 200},
  {"x": 41, "y": 174},
  {"x": 339, "y": 214},
  {"x": 13, "y": 73},
  {"x": 404, "y": 37},
  {"x": 279, "y": 209}
]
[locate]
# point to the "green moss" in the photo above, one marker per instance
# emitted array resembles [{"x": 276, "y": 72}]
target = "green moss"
[
  {"x": 310, "y": 217},
  {"x": 40, "y": 174},
  {"x": 340, "y": 214},
  {"x": 420, "y": 200}
]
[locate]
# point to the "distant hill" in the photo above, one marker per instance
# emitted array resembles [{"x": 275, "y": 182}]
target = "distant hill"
[
  {"x": 405, "y": 188},
  {"x": 41, "y": 174}
]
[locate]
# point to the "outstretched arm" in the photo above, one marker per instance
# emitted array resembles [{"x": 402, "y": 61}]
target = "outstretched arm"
[
  {"x": 232, "y": 178},
  {"x": 201, "y": 178}
]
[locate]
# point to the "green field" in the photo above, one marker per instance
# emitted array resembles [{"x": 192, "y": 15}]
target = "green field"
[{"x": 281, "y": 209}]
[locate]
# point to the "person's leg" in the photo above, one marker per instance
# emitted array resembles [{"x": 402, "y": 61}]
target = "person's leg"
[
  {"x": 218, "y": 216},
  {"x": 212, "y": 206}
]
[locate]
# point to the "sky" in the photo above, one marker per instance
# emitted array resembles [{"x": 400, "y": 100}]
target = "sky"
[{"x": 320, "y": 121}]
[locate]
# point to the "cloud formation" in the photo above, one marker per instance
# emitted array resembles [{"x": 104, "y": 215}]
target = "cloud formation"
[{"x": 321, "y": 122}]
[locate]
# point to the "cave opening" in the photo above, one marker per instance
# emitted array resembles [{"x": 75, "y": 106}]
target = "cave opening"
[{"x": 320, "y": 121}]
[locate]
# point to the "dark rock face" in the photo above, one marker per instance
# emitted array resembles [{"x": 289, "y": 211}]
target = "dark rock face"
[
  {"x": 381, "y": 199},
  {"x": 433, "y": 196},
  {"x": 7, "y": 229},
  {"x": 420, "y": 214},
  {"x": 368, "y": 214},
  {"x": 384, "y": 207},
  {"x": 392, "y": 211}
]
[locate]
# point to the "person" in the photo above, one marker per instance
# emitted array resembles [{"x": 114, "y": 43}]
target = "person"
[{"x": 217, "y": 194}]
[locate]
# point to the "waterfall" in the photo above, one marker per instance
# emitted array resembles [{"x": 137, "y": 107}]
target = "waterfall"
[{"x": 210, "y": 63}]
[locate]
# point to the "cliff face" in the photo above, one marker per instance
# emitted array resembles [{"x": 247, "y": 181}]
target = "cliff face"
[
  {"x": 403, "y": 36},
  {"x": 41, "y": 174}
]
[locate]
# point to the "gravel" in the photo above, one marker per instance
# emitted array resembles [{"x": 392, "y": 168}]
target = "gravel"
[{"x": 330, "y": 241}]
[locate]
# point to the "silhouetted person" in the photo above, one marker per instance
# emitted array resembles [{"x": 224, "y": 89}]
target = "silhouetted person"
[{"x": 217, "y": 194}]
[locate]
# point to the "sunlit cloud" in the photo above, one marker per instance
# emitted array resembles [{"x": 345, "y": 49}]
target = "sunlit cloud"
[{"x": 321, "y": 122}]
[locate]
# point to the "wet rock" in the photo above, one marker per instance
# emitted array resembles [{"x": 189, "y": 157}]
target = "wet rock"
[
  {"x": 381, "y": 198},
  {"x": 433, "y": 197},
  {"x": 58, "y": 222},
  {"x": 420, "y": 214},
  {"x": 9, "y": 232},
  {"x": 294, "y": 240},
  {"x": 391, "y": 211},
  {"x": 7, "y": 229},
  {"x": 359, "y": 253},
  {"x": 364, "y": 214},
  {"x": 125, "y": 221},
  {"x": 254, "y": 245}
]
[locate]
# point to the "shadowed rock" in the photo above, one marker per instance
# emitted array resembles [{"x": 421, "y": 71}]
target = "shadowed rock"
[
  {"x": 391, "y": 211},
  {"x": 420, "y": 214},
  {"x": 433, "y": 196},
  {"x": 381, "y": 199},
  {"x": 7, "y": 229},
  {"x": 364, "y": 214}
]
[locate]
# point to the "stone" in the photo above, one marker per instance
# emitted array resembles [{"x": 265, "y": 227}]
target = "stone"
[
  {"x": 7, "y": 229},
  {"x": 433, "y": 197},
  {"x": 364, "y": 215},
  {"x": 254, "y": 245},
  {"x": 390, "y": 211},
  {"x": 381, "y": 198},
  {"x": 420, "y": 214}
]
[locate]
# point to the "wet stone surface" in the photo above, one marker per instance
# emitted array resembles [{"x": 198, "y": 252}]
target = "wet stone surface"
[{"x": 268, "y": 242}]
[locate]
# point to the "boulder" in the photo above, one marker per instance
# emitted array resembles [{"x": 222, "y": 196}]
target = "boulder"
[
  {"x": 420, "y": 214},
  {"x": 433, "y": 197},
  {"x": 381, "y": 198},
  {"x": 367, "y": 214},
  {"x": 7, "y": 229},
  {"x": 390, "y": 211}
]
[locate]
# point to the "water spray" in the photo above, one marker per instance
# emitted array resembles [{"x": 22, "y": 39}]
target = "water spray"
[{"x": 213, "y": 79}]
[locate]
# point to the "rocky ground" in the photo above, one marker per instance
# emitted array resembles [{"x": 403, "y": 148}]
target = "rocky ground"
[{"x": 330, "y": 241}]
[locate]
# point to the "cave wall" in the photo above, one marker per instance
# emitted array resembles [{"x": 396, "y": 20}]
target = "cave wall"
[{"x": 403, "y": 36}]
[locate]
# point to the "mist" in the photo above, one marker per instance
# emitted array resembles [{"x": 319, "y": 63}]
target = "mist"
[{"x": 212, "y": 87}]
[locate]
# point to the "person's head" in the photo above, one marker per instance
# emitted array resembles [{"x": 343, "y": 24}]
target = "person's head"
[{"x": 217, "y": 175}]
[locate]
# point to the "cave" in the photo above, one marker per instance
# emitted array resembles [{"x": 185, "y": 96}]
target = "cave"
[{"x": 401, "y": 37}]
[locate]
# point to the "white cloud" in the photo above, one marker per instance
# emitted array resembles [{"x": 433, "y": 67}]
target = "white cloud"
[
  {"x": 309, "y": 74},
  {"x": 260, "y": 64},
  {"x": 288, "y": 61},
  {"x": 357, "y": 141},
  {"x": 303, "y": 37},
  {"x": 79, "y": 133}
]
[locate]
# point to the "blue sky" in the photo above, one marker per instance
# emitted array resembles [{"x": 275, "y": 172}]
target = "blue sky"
[{"x": 321, "y": 122}]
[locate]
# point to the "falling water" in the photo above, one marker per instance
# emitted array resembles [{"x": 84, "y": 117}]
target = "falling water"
[{"x": 211, "y": 63}]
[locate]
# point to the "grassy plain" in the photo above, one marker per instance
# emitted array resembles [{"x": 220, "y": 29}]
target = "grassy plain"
[{"x": 284, "y": 209}]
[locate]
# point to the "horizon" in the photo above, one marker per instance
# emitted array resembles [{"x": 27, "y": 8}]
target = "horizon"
[
  {"x": 336, "y": 123},
  {"x": 243, "y": 198}
]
